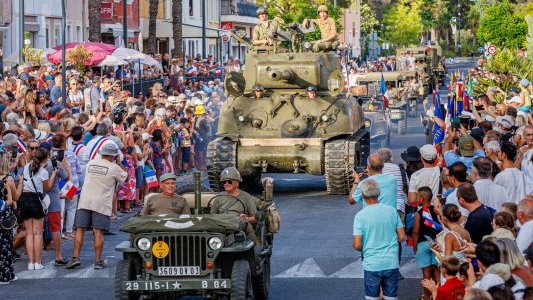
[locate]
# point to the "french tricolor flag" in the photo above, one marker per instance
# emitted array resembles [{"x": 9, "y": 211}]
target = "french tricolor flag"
[
  {"x": 151, "y": 179},
  {"x": 428, "y": 220},
  {"x": 22, "y": 146},
  {"x": 67, "y": 189}
]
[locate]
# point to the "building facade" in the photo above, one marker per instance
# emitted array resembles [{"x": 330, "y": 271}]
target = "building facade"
[
  {"x": 112, "y": 20},
  {"x": 237, "y": 15},
  {"x": 351, "y": 32}
]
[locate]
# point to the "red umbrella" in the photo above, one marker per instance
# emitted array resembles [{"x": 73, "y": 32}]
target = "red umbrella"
[{"x": 99, "y": 50}]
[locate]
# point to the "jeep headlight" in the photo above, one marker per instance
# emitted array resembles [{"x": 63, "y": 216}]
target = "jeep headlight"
[
  {"x": 324, "y": 118},
  {"x": 307, "y": 45},
  {"x": 215, "y": 243},
  {"x": 143, "y": 244}
]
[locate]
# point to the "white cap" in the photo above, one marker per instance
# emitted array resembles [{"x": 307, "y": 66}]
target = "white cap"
[
  {"x": 515, "y": 99},
  {"x": 195, "y": 101},
  {"x": 109, "y": 149},
  {"x": 428, "y": 152},
  {"x": 468, "y": 114},
  {"x": 489, "y": 118},
  {"x": 506, "y": 121},
  {"x": 146, "y": 136},
  {"x": 39, "y": 135}
]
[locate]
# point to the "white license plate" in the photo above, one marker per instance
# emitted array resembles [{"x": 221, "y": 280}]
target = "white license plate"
[{"x": 178, "y": 271}]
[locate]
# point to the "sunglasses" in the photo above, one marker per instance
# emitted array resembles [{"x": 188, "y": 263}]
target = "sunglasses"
[
  {"x": 33, "y": 148},
  {"x": 227, "y": 181}
]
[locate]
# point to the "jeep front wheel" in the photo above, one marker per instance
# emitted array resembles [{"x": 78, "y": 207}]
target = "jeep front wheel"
[
  {"x": 124, "y": 272},
  {"x": 241, "y": 281}
]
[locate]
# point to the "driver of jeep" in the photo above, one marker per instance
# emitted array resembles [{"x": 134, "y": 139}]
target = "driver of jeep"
[
  {"x": 246, "y": 208},
  {"x": 167, "y": 202}
]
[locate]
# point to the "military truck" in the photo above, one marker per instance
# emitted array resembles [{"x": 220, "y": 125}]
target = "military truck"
[
  {"x": 412, "y": 95},
  {"x": 397, "y": 105},
  {"x": 377, "y": 121},
  {"x": 285, "y": 131},
  {"x": 422, "y": 66},
  {"x": 167, "y": 257}
]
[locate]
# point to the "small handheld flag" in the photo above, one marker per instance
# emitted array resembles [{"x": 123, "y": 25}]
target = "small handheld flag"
[
  {"x": 151, "y": 178},
  {"x": 67, "y": 189},
  {"x": 22, "y": 146},
  {"x": 383, "y": 91}
]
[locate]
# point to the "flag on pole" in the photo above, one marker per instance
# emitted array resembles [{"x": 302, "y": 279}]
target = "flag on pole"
[
  {"x": 67, "y": 189},
  {"x": 438, "y": 132},
  {"x": 151, "y": 178},
  {"x": 383, "y": 91},
  {"x": 22, "y": 146}
]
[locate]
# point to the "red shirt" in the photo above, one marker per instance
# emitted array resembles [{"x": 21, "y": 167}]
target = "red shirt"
[{"x": 453, "y": 289}]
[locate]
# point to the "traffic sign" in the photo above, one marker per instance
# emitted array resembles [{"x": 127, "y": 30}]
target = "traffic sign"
[
  {"x": 492, "y": 50},
  {"x": 225, "y": 38}
]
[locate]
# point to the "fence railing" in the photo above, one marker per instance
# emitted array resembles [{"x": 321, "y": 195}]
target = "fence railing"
[{"x": 143, "y": 86}]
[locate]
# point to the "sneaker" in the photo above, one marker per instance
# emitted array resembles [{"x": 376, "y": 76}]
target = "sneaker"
[
  {"x": 74, "y": 262},
  {"x": 31, "y": 266},
  {"x": 60, "y": 262},
  {"x": 99, "y": 265},
  {"x": 38, "y": 266}
]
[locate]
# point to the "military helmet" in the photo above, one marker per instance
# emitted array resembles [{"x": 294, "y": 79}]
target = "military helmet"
[
  {"x": 311, "y": 88},
  {"x": 258, "y": 87},
  {"x": 322, "y": 8},
  {"x": 261, "y": 10},
  {"x": 230, "y": 173}
]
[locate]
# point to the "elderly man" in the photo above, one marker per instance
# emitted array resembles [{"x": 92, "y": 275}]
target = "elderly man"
[
  {"x": 388, "y": 183},
  {"x": 427, "y": 176},
  {"x": 166, "y": 202},
  {"x": 102, "y": 175},
  {"x": 491, "y": 194},
  {"x": 525, "y": 217},
  {"x": 402, "y": 181},
  {"x": 328, "y": 30},
  {"x": 264, "y": 31},
  {"x": 377, "y": 231}
]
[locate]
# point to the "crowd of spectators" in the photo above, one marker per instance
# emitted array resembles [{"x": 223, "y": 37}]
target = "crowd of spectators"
[
  {"x": 46, "y": 146},
  {"x": 465, "y": 203}
]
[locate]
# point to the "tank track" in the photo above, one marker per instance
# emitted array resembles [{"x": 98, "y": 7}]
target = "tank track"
[
  {"x": 341, "y": 157},
  {"x": 221, "y": 153}
]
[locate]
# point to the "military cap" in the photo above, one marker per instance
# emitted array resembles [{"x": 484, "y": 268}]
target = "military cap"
[
  {"x": 311, "y": 88},
  {"x": 322, "y": 8},
  {"x": 261, "y": 10},
  {"x": 230, "y": 173},
  {"x": 258, "y": 87}
]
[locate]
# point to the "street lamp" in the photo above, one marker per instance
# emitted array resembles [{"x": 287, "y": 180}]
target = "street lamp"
[{"x": 458, "y": 27}]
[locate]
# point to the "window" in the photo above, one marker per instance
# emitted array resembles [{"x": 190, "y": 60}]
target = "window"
[
  {"x": 69, "y": 33},
  {"x": 168, "y": 9},
  {"x": 78, "y": 34},
  {"x": 191, "y": 8},
  {"x": 47, "y": 37},
  {"x": 57, "y": 36}
]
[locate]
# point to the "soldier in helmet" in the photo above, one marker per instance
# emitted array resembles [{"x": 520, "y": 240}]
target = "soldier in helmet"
[
  {"x": 311, "y": 92},
  {"x": 258, "y": 91},
  {"x": 328, "y": 30},
  {"x": 264, "y": 31},
  {"x": 231, "y": 178}
]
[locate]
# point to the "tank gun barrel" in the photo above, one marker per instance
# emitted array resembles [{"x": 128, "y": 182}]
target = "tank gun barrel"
[{"x": 285, "y": 75}]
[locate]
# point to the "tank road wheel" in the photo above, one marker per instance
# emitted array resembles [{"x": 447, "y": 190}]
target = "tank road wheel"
[
  {"x": 241, "y": 281},
  {"x": 221, "y": 153},
  {"x": 402, "y": 126},
  {"x": 262, "y": 282},
  {"x": 124, "y": 272},
  {"x": 339, "y": 162}
]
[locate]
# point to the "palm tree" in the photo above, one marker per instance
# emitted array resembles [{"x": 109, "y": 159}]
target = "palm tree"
[
  {"x": 95, "y": 34},
  {"x": 177, "y": 31},
  {"x": 152, "y": 11}
]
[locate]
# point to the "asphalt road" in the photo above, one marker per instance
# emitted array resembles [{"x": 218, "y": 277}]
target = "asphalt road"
[{"x": 313, "y": 257}]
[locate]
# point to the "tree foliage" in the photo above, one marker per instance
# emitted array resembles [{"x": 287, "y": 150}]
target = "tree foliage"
[
  {"x": 32, "y": 56},
  {"x": 502, "y": 26},
  {"x": 79, "y": 57},
  {"x": 369, "y": 23},
  {"x": 403, "y": 23}
]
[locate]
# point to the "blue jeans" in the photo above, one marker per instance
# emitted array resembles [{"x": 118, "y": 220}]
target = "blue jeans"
[{"x": 386, "y": 279}]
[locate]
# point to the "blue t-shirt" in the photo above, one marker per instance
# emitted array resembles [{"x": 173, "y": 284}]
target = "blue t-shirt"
[
  {"x": 55, "y": 93},
  {"x": 450, "y": 157},
  {"x": 377, "y": 224},
  {"x": 388, "y": 190}
]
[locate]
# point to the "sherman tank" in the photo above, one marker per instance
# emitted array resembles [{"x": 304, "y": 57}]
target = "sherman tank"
[{"x": 285, "y": 130}]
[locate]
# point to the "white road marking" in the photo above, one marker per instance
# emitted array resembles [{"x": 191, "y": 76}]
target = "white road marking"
[
  {"x": 307, "y": 269},
  {"x": 353, "y": 270},
  {"x": 90, "y": 272},
  {"x": 49, "y": 271},
  {"x": 410, "y": 269}
]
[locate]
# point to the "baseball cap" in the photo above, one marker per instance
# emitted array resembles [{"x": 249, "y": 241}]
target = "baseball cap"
[
  {"x": 506, "y": 121},
  {"x": 466, "y": 145},
  {"x": 514, "y": 90},
  {"x": 167, "y": 176},
  {"x": 428, "y": 152},
  {"x": 524, "y": 82},
  {"x": 412, "y": 154},
  {"x": 145, "y": 136},
  {"x": 109, "y": 149}
]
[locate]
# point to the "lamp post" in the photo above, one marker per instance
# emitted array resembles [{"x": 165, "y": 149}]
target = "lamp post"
[
  {"x": 21, "y": 26},
  {"x": 204, "y": 21},
  {"x": 63, "y": 54},
  {"x": 125, "y": 23},
  {"x": 458, "y": 28}
]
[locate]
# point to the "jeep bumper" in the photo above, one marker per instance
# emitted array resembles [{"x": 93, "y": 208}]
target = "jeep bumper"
[{"x": 177, "y": 285}]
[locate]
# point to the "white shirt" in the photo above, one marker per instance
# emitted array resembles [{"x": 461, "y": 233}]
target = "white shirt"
[
  {"x": 491, "y": 194},
  {"x": 452, "y": 198},
  {"x": 425, "y": 177},
  {"x": 525, "y": 236},
  {"x": 394, "y": 170},
  {"x": 512, "y": 181},
  {"x": 526, "y": 166},
  {"x": 42, "y": 175},
  {"x": 88, "y": 151}
]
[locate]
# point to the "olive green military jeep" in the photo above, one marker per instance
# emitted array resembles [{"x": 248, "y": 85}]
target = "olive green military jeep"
[{"x": 167, "y": 257}]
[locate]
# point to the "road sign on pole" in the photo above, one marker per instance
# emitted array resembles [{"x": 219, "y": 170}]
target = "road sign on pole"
[{"x": 492, "y": 50}]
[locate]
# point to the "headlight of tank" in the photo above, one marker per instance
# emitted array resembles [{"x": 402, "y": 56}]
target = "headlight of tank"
[
  {"x": 143, "y": 244},
  {"x": 241, "y": 119},
  {"x": 324, "y": 118},
  {"x": 215, "y": 243},
  {"x": 307, "y": 45},
  {"x": 367, "y": 124}
]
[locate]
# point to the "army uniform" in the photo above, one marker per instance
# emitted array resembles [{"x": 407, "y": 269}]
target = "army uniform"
[
  {"x": 228, "y": 205},
  {"x": 263, "y": 31},
  {"x": 327, "y": 28},
  {"x": 158, "y": 204}
]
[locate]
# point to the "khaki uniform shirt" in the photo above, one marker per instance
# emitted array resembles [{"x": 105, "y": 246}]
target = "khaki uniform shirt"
[
  {"x": 263, "y": 31},
  {"x": 229, "y": 205},
  {"x": 101, "y": 179},
  {"x": 327, "y": 27},
  {"x": 158, "y": 204}
]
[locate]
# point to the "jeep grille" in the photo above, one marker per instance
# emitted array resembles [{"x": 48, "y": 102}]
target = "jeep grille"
[{"x": 193, "y": 251}]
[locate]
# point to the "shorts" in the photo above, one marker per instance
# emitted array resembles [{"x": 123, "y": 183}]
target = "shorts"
[
  {"x": 424, "y": 256},
  {"x": 139, "y": 177},
  {"x": 54, "y": 219},
  {"x": 91, "y": 219},
  {"x": 185, "y": 154},
  {"x": 386, "y": 279},
  {"x": 30, "y": 206}
]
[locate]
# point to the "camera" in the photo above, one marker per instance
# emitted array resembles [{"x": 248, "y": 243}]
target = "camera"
[{"x": 360, "y": 169}]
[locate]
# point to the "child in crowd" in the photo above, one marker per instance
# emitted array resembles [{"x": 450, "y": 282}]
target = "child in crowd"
[
  {"x": 185, "y": 142},
  {"x": 453, "y": 288}
]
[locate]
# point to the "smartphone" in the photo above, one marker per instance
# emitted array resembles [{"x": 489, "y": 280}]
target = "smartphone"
[
  {"x": 360, "y": 169},
  {"x": 479, "y": 107},
  {"x": 475, "y": 265}
]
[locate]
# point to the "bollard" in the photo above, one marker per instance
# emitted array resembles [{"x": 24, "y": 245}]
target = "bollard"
[{"x": 197, "y": 192}]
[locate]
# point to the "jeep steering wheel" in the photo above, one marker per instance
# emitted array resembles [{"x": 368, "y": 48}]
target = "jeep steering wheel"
[{"x": 237, "y": 200}]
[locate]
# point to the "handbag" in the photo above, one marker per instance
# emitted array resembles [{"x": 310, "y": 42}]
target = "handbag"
[
  {"x": 45, "y": 199},
  {"x": 8, "y": 219}
]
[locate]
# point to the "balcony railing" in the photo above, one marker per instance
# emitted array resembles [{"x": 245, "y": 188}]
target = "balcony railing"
[{"x": 231, "y": 7}]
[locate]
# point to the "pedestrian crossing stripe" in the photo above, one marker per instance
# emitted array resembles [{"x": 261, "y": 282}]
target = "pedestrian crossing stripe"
[{"x": 51, "y": 271}]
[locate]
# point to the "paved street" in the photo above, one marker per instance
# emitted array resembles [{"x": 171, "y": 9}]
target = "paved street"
[{"x": 313, "y": 256}]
